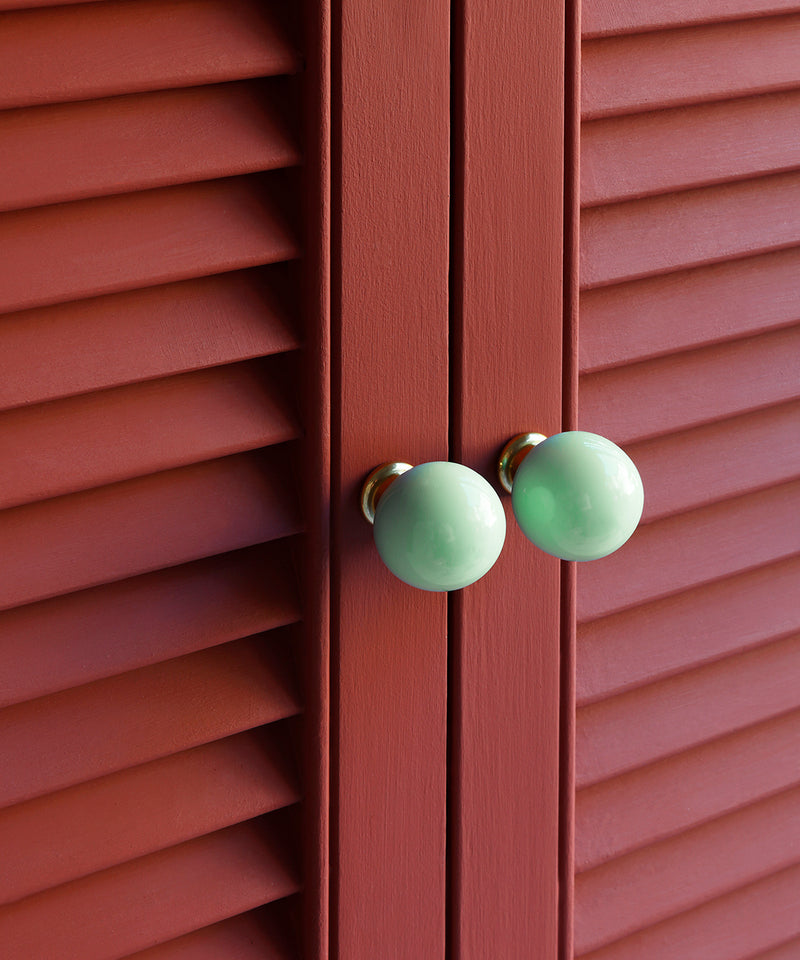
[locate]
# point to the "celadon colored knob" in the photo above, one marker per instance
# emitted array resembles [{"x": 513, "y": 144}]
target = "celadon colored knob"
[
  {"x": 575, "y": 495},
  {"x": 437, "y": 526}
]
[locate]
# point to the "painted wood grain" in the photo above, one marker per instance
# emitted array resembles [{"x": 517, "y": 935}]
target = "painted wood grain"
[
  {"x": 688, "y": 309},
  {"x": 628, "y": 404},
  {"x": 693, "y": 548},
  {"x": 673, "y": 232},
  {"x": 689, "y": 65},
  {"x": 122, "y": 144},
  {"x": 129, "y": 814},
  {"x": 94, "y": 50},
  {"x": 723, "y": 927},
  {"x": 700, "y": 625},
  {"x": 199, "y": 882},
  {"x": 84, "y": 733},
  {"x": 604, "y": 17},
  {"x": 640, "y": 727},
  {"x": 105, "y": 245},
  {"x": 107, "y": 341},
  {"x": 688, "y": 147},
  {"x": 683, "y": 791},
  {"x": 96, "y": 633},
  {"x": 133, "y": 527},
  {"x": 391, "y": 115},
  {"x": 677, "y": 875},
  {"x": 508, "y": 263}
]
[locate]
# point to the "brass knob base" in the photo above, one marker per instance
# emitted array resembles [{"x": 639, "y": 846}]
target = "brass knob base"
[
  {"x": 514, "y": 452},
  {"x": 377, "y": 483}
]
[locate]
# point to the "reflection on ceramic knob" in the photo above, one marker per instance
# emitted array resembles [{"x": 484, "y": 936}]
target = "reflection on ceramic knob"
[
  {"x": 576, "y": 495},
  {"x": 437, "y": 526}
]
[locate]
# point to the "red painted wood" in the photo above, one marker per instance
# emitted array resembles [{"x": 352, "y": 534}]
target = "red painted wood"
[
  {"x": 508, "y": 378},
  {"x": 723, "y": 927},
  {"x": 666, "y": 798},
  {"x": 88, "y": 732},
  {"x": 745, "y": 138},
  {"x": 141, "y": 525},
  {"x": 99, "y": 48},
  {"x": 677, "y": 875},
  {"x": 78, "y": 831},
  {"x": 141, "y": 334},
  {"x": 138, "y": 142},
  {"x": 390, "y": 297},
  {"x": 690, "y": 65},
  {"x": 642, "y": 237},
  {"x": 706, "y": 385},
  {"x": 62, "y": 253},
  {"x": 634, "y": 729},
  {"x": 694, "y": 468},
  {"x": 679, "y": 311},
  {"x": 700, "y": 625},
  {"x": 204, "y": 880},
  {"x": 604, "y": 17},
  {"x": 682, "y": 552},
  {"x": 96, "y": 633}
]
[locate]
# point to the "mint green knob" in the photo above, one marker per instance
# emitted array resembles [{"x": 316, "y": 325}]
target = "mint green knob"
[
  {"x": 577, "y": 496},
  {"x": 438, "y": 526}
]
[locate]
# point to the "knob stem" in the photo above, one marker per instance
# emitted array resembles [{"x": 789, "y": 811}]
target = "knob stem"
[
  {"x": 514, "y": 452},
  {"x": 377, "y": 483}
]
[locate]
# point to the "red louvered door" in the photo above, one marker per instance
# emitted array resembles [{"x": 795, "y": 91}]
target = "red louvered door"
[
  {"x": 155, "y": 552},
  {"x": 687, "y": 811}
]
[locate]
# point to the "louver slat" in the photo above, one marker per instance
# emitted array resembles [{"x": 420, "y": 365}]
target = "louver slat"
[
  {"x": 751, "y": 137},
  {"x": 634, "y": 729},
  {"x": 663, "y": 799},
  {"x": 678, "y": 875},
  {"x": 679, "y": 311},
  {"x": 85, "y": 636},
  {"x": 642, "y": 72},
  {"x": 136, "y": 430},
  {"x": 92, "y": 247},
  {"x": 603, "y": 17},
  {"x": 140, "y": 142},
  {"x": 69, "y": 543},
  {"x": 110, "y": 914},
  {"x": 126, "y": 46},
  {"x": 658, "y": 639},
  {"x": 143, "y": 715},
  {"x": 138, "y": 811},
  {"x": 139, "y": 335}
]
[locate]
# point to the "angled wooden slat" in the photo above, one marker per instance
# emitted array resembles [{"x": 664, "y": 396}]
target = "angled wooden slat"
[
  {"x": 111, "y": 435},
  {"x": 111, "y": 913},
  {"x": 680, "y": 391},
  {"x": 722, "y": 929},
  {"x": 624, "y": 158},
  {"x": 787, "y": 951},
  {"x": 128, "y": 528},
  {"x": 121, "y": 144},
  {"x": 27, "y": 4},
  {"x": 697, "y": 547},
  {"x": 645, "y": 725},
  {"x": 125, "y": 337},
  {"x": 91, "y": 247},
  {"x": 608, "y": 17},
  {"x": 90, "y": 731},
  {"x": 697, "y": 467},
  {"x": 690, "y": 65},
  {"x": 256, "y": 935},
  {"x": 96, "y": 633},
  {"x": 677, "y": 875},
  {"x": 639, "y": 238},
  {"x": 97, "y": 825},
  {"x": 678, "y": 311},
  {"x": 657, "y": 640},
  {"x": 96, "y": 49},
  {"x": 661, "y": 800}
]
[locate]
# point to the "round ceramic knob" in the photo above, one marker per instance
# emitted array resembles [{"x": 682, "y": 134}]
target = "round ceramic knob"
[
  {"x": 575, "y": 495},
  {"x": 438, "y": 526}
]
